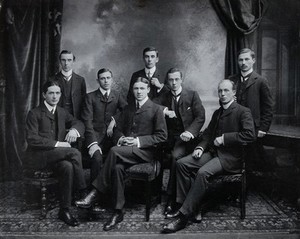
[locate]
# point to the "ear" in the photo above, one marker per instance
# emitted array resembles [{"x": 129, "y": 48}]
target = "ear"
[
  {"x": 254, "y": 60},
  {"x": 157, "y": 59},
  {"x": 148, "y": 89},
  {"x": 234, "y": 92},
  {"x": 44, "y": 95}
]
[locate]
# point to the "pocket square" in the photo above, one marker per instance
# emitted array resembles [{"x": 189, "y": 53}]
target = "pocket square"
[{"x": 188, "y": 108}]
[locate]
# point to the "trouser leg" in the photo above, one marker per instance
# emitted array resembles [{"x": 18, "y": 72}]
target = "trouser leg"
[
  {"x": 65, "y": 174},
  {"x": 198, "y": 188},
  {"x": 96, "y": 165}
]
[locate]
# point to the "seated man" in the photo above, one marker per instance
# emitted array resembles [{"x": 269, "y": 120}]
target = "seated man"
[
  {"x": 185, "y": 116},
  {"x": 99, "y": 113},
  {"x": 49, "y": 146},
  {"x": 219, "y": 151},
  {"x": 140, "y": 128}
]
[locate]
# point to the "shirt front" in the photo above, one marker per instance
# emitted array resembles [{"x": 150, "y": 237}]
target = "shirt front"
[
  {"x": 67, "y": 74},
  {"x": 150, "y": 72}
]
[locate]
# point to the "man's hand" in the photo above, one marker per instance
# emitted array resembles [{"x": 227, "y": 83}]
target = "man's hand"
[
  {"x": 218, "y": 141},
  {"x": 128, "y": 141},
  {"x": 155, "y": 81},
  {"x": 63, "y": 144},
  {"x": 261, "y": 134},
  {"x": 110, "y": 128},
  {"x": 197, "y": 153},
  {"x": 71, "y": 136},
  {"x": 170, "y": 113},
  {"x": 185, "y": 136},
  {"x": 93, "y": 149}
]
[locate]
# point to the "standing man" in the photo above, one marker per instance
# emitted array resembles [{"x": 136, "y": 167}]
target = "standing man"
[
  {"x": 73, "y": 86},
  {"x": 140, "y": 128},
  {"x": 185, "y": 116},
  {"x": 49, "y": 146},
  {"x": 150, "y": 72},
  {"x": 253, "y": 92},
  {"x": 99, "y": 115},
  {"x": 220, "y": 150}
]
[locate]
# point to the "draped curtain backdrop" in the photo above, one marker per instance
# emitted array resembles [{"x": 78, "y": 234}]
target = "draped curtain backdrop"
[
  {"x": 32, "y": 47},
  {"x": 241, "y": 18}
]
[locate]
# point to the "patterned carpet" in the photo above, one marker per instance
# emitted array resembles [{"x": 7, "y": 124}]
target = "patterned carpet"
[{"x": 262, "y": 215}]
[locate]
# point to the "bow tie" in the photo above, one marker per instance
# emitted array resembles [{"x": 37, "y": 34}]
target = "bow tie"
[{"x": 174, "y": 94}]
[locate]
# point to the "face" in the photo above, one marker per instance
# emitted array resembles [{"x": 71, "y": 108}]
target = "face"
[
  {"x": 52, "y": 95},
  {"x": 245, "y": 61},
  {"x": 174, "y": 80},
  {"x": 66, "y": 62},
  {"x": 150, "y": 59},
  {"x": 225, "y": 92},
  {"x": 140, "y": 90},
  {"x": 105, "y": 80}
]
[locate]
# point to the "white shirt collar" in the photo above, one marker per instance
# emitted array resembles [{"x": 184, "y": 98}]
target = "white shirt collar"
[
  {"x": 104, "y": 91},
  {"x": 141, "y": 103},
  {"x": 66, "y": 73},
  {"x": 49, "y": 107},
  {"x": 246, "y": 73},
  {"x": 151, "y": 70},
  {"x": 226, "y": 106},
  {"x": 177, "y": 91}
]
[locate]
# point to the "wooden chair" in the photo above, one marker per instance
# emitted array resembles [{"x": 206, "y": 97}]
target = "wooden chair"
[
  {"x": 237, "y": 178},
  {"x": 40, "y": 179},
  {"x": 151, "y": 174}
]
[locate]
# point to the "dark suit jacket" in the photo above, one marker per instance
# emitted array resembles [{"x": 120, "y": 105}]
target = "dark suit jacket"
[
  {"x": 78, "y": 91},
  {"x": 190, "y": 108},
  {"x": 236, "y": 124},
  {"x": 257, "y": 97},
  {"x": 147, "y": 123},
  {"x": 39, "y": 132},
  {"x": 97, "y": 114},
  {"x": 153, "y": 90}
]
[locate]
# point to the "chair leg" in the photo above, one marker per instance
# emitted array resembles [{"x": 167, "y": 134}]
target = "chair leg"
[
  {"x": 148, "y": 200},
  {"x": 43, "y": 200},
  {"x": 243, "y": 198}
]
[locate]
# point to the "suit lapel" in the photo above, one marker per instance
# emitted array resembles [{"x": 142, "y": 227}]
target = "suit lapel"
[
  {"x": 47, "y": 112},
  {"x": 229, "y": 110},
  {"x": 145, "y": 107},
  {"x": 60, "y": 122},
  {"x": 251, "y": 80}
]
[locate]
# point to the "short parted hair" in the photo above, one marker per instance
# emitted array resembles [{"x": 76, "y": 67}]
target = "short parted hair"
[
  {"x": 173, "y": 70},
  {"x": 247, "y": 50},
  {"x": 232, "y": 83},
  {"x": 103, "y": 70},
  {"x": 142, "y": 79},
  {"x": 66, "y": 52},
  {"x": 48, "y": 84},
  {"x": 150, "y": 48}
]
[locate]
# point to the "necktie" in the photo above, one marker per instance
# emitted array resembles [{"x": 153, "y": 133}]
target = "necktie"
[
  {"x": 52, "y": 111},
  {"x": 244, "y": 78},
  {"x": 148, "y": 75},
  {"x": 106, "y": 96},
  {"x": 137, "y": 105},
  {"x": 67, "y": 78}
]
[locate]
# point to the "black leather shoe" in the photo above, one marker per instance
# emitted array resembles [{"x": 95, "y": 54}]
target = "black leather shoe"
[
  {"x": 67, "y": 217},
  {"x": 175, "y": 225},
  {"x": 88, "y": 200},
  {"x": 172, "y": 214},
  {"x": 113, "y": 221}
]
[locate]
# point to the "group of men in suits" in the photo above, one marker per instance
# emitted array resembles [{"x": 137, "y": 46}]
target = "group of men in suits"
[{"x": 156, "y": 112}]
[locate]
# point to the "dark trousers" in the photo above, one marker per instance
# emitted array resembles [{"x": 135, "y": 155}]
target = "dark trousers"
[
  {"x": 97, "y": 159},
  {"x": 67, "y": 165},
  {"x": 179, "y": 149},
  {"x": 192, "y": 180},
  {"x": 111, "y": 176}
]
